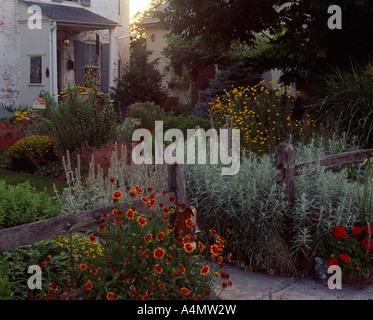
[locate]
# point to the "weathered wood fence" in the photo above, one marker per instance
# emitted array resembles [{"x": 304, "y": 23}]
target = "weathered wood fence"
[
  {"x": 286, "y": 170},
  {"x": 59, "y": 226}
]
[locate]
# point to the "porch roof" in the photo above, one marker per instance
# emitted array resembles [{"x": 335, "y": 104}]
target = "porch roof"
[{"x": 66, "y": 15}]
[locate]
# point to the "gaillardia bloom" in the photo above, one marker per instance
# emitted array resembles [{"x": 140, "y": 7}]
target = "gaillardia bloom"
[
  {"x": 158, "y": 268},
  {"x": 117, "y": 195},
  {"x": 141, "y": 221},
  {"x": 130, "y": 214},
  {"x": 158, "y": 253},
  {"x": 188, "y": 247},
  {"x": 205, "y": 270}
]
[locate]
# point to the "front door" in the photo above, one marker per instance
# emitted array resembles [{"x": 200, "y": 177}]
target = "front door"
[{"x": 86, "y": 58}]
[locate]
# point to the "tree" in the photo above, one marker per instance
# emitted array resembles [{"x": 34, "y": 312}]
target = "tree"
[{"x": 296, "y": 29}]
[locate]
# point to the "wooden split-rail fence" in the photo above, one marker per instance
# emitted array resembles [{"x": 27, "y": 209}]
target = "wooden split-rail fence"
[
  {"x": 286, "y": 170},
  {"x": 78, "y": 222}
]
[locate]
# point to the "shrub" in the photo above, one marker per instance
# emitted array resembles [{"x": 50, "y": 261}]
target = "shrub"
[
  {"x": 22, "y": 204},
  {"x": 126, "y": 129},
  {"x": 262, "y": 115},
  {"x": 77, "y": 120},
  {"x": 147, "y": 112},
  {"x": 249, "y": 211},
  {"x": 29, "y": 152},
  {"x": 184, "y": 123}
]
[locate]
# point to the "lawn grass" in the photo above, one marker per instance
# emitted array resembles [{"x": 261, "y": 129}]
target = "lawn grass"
[{"x": 41, "y": 183}]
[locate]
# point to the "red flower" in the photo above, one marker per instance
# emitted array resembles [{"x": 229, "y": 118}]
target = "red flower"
[
  {"x": 345, "y": 257},
  {"x": 128, "y": 188},
  {"x": 160, "y": 236},
  {"x": 158, "y": 253},
  {"x": 104, "y": 215},
  {"x": 164, "y": 192},
  {"x": 338, "y": 232},
  {"x": 365, "y": 243},
  {"x": 152, "y": 196},
  {"x": 83, "y": 266},
  {"x": 213, "y": 233},
  {"x": 118, "y": 220},
  {"x": 224, "y": 285},
  {"x": 148, "y": 238},
  {"x": 189, "y": 223},
  {"x": 215, "y": 250},
  {"x": 115, "y": 270},
  {"x": 205, "y": 270},
  {"x": 200, "y": 246},
  {"x": 117, "y": 212},
  {"x": 172, "y": 199},
  {"x": 188, "y": 247},
  {"x": 112, "y": 180},
  {"x": 332, "y": 262},
  {"x": 149, "y": 189},
  {"x": 224, "y": 275},
  {"x": 169, "y": 258},
  {"x": 158, "y": 268},
  {"x": 117, "y": 195},
  {"x": 166, "y": 210},
  {"x": 92, "y": 238},
  {"x": 145, "y": 200},
  {"x": 185, "y": 291},
  {"x": 160, "y": 205},
  {"x": 141, "y": 221},
  {"x": 181, "y": 269},
  {"x": 129, "y": 214},
  {"x": 207, "y": 292},
  {"x": 88, "y": 285},
  {"x": 356, "y": 231},
  {"x": 132, "y": 194}
]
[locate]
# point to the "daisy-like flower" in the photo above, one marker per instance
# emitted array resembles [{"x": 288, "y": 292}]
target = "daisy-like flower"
[
  {"x": 201, "y": 246},
  {"x": 117, "y": 212},
  {"x": 117, "y": 195},
  {"x": 158, "y": 253},
  {"x": 132, "y": 194},
  {"x": 83, "y": 266},
  {"x": 166, "y": 210},
  {"x": 130, "y": 214},
  {"x": 149, "y": 189},
  {"x": 189, "y": 223},
  {"x": 145, "y": 200},
  {"x": 148, "y": 238},
  {"x": 172, "y": 199},
  {"x": 188, "y": 247},
  {"x": 88, "y": 285},
  {"x": 185, "y": 291},
  {"x": 104, "y": 215},
  {"x": 205, "y": 270},
  {"x": 128, "y": 188},
  {"x": 141, "y": 221},
  {"x": 160, "y": 236},
  {"x": 112, "y": 180},
  {"x": 158, "y": 268},
  {"x": 92, "y": 238}
]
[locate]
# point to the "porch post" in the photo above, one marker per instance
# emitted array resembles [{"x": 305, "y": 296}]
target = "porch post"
[{"x": 54, "y": 72}]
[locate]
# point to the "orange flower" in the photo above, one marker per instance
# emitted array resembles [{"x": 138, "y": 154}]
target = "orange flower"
[
  {"x": 181, "y": 269},
  {"x": 164, "y": 192},
  {"x": 128, "y": 188},
  {"x": 215, "y": 250},
  {"x": 104, "y": 215},
  {"x": 188, "y": 247},
  {"x": 200, "y": 246},
  {"x": 118, "y": 220},
  {"x": 145, "y": 200},
  {"x": 141, "y": 221},
  {"x": 92, "y": 238},
  {"x": 185, "y": 291},
  {"x": 158, "y": 253},
  {"x": 149, "y": 189},
  {"x": 160, "y": 205},
  {"x": 112, "y": 180},
  {"x": 152, "y": 196},
  {"x": 230, "y": 258},
  {"x": 158, "y": 268},
  {"x": 148, "y": 238},
  {"x": 129, "y": 214},
  {"x": 166, "y": 210},
  {"x": 88, "y": 285},
  {"x": 117, "y": 212},
  {"x": 112, "y": 296},
  {"x": 189, "y": 223},
  {"x": 149, "y": 204},
  {"x": 160, "y": 236},
  {"x": 83, "y": 266},
  {"x": 117, "y": 195},
  {"x": 132, "y": 194},
  {"x": 205, "y": 270},
  {"x": 172, "y": 199}
]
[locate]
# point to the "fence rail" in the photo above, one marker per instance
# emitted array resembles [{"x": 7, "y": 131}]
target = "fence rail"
[
  {"x": 286, "y": 170},
  {"x": 59, "y": 226}
]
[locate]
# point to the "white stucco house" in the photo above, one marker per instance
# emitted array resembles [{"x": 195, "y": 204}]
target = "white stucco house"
[{"x": 45, "y": 54}]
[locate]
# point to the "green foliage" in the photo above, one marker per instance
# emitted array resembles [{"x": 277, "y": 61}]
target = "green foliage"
[
  {"x": 126, "y": 129},
  {"x": 184, "y": 123},
  {"x": 28, "y": 152},
  {"x": 147, "y": 112},
  {"x": 346, "y": 95},
  {"x": 77, "y": 120},
  {"x": 249, "y": 211},
  {"x": 140, "y": 81},
  {"x": 22, "y": 204}
]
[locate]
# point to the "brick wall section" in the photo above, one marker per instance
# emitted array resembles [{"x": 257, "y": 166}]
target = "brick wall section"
[{"x": 9, "y": 54}]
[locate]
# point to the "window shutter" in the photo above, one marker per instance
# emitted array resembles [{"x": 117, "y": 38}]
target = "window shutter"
[{"x": 86, "y": 3}]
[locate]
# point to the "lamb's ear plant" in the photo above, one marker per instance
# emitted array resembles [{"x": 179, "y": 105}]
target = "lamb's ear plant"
[{"x": 97, "y": 190}]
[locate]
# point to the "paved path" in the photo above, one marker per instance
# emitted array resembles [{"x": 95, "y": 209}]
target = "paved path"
[{"x": 256, "y": 286}]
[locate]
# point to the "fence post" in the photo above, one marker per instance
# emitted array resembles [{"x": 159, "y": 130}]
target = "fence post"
[
  {"x": 176, "y": 182},
  {"x": 285, "y": 170}
]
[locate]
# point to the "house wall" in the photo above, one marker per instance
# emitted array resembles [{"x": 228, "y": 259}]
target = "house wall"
[{"x": 9, "y": 53}]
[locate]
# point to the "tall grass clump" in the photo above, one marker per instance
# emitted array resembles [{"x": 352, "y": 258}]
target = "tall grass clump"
[{"x": 346, "y": 96}]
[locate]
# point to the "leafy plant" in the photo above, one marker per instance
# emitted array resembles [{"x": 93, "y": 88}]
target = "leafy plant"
[
  {"x": 21, "y": 204},
  {"x": 147, "y": 112}
]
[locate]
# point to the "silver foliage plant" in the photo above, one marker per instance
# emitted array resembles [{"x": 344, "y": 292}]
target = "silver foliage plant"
[
  {"x": 97, "y": 191},
  {"x": 248, "y": 209}
]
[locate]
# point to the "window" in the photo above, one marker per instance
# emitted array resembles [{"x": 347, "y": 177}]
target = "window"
[{"x": 36, "y": 67}]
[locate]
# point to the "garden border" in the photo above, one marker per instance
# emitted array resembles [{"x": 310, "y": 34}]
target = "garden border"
[{"x": 59, "y": 226}]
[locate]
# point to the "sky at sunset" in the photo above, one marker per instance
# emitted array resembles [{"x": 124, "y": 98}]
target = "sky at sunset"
[{"x": 138, "y": 5}]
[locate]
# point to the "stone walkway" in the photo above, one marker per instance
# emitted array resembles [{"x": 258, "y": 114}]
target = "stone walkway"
[{"x": 256, "y": 286}]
